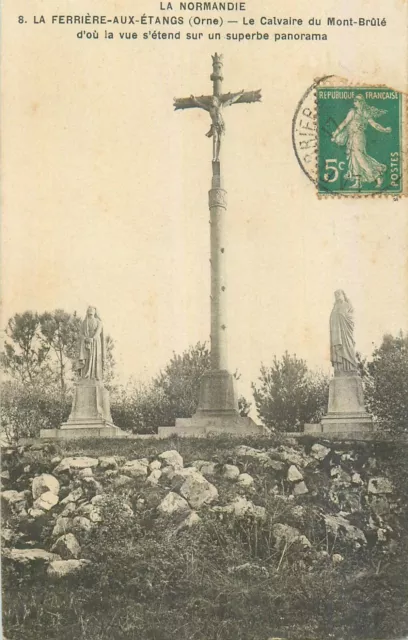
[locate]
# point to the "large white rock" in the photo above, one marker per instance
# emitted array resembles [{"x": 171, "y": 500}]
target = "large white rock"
[
  {"x": 108, "y": 462},
  {"x": 199, "y": 463},
  {"x": 43, "y": 483},
  {"x": 198, "y": 491},
  {"x": 154, "y": 477},
  {"x": 74, "y": 496},
  {"x": 190, "y": 521},
  {"x": 154, "y": 465},
  {"x": 179, "y": 476},
  {"x": 319, "y": 452},
  {"x": 85, "y": 473},
  {"x": 243, "y": 451},
  {"x": 35, "y": 513},
  {"x": 62, "y": 568},
  {"x": 46, "y": 501},
  {"x": 230, "y": 471},
  {"x": 121, "y": 481},
  {"x": 173, "y": 504},
  {"x": 379, "y": 485},
  {"x": 241, "y": 508},
  {"x": 245, "y": 480},
  {"x": 25, "y": 556},
  {"x": 90, "y": 511},
  {"x": 82, "y": 524},
  {"x": 339, "y": 526},
  {"x": 286, "y": 535},
  {"x": 67, "y": 546},
  {"x": 63, "y": 525},
  {"x": 69, "y": 510},
  {"x": 12, "y": 497},
  {"x": 13, "y": 502},
  {"x": 136, "y": 468},
  {"x": 294, "y": 475},
  {"x": 76, "y": 463},
  {"x": 171, "y": 458},
  {"x": 209, "y": 469},
  {"x": 287, "y": 454},
  {"x": 300, "y": 489}
]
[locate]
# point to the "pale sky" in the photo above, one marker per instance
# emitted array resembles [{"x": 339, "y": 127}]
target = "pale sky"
[{"x": 105, "y": 188}]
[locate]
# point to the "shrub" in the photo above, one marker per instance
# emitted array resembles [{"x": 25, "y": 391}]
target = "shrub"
[
  {"x": 386, "y": 383},
  {"x": 28, "y": 408},
  {"x": 288, "y": 394}
]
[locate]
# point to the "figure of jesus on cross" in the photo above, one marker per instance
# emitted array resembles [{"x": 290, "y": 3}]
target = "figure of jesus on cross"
[{"x": 216, "y": 103}]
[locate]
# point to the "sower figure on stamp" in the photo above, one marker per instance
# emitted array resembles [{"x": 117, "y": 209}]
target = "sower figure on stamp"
[
  {"x": 351, "y": 132},
  {"x": 214, "y": 108}
]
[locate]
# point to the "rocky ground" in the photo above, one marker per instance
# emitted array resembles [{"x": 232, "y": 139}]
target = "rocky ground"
[{"x": 261, "y": 513}]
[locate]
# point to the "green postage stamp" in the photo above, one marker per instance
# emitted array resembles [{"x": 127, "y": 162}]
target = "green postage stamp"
[{"x": 360, "y": 140}]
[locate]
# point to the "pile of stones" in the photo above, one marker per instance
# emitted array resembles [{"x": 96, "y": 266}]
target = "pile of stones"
[{"x": 69, "y": 496}]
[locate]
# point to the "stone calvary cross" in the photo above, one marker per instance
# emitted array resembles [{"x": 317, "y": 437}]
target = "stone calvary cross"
[
  {"x": 218, "y": 407},
  {"x": 216, "y": 103}
]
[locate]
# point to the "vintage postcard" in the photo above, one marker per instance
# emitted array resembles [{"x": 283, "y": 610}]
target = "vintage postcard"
[{"x": 204, "y": 321}]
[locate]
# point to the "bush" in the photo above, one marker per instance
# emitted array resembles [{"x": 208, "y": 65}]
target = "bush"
[
  {"x": 386, "y": 383},
  {"x": 139, "y": 408},
  {"x": 288, "y": 394},
  {"x": 28, "y": 408},
  {"x": 174, "y": 393}
]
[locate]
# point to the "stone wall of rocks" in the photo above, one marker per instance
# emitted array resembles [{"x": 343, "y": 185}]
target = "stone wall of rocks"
[{"x": 346, "y": 489}]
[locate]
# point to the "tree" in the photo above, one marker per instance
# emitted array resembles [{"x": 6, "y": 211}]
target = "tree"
[
  {"x": 288, "y": 394},
  {"x": 59, "y": 333},
  {"x": 386, "y": 383},
  {"x": 180, "y": 381},
  {"x": 42, "y": 348},
  {"x": 25, "y": 355}
]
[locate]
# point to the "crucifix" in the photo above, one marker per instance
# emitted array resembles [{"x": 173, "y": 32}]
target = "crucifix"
[
  {"x": 215, "y": 104},
  {"x": 218, "y": 406}
]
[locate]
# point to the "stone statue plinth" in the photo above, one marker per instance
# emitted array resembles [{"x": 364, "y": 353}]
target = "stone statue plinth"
[
  {"x": 217, "y": 395},
  {"x": 346, "y": 410},
  {"x": 90, "y": 414}
]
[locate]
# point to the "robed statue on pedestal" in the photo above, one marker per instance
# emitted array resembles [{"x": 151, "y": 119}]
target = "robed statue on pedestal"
[
  {"x": 91, "y": 347},
  {"x": 342, "y": 345}
]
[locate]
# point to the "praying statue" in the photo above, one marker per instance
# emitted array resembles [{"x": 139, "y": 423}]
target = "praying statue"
[
  {"x": 91, "y": 347},
  {"x": 342, "y": 351},
  {"x": 214, "y": 106}
]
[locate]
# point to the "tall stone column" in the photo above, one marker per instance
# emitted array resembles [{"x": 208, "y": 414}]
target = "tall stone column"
[{"x": 217, "y": 391}]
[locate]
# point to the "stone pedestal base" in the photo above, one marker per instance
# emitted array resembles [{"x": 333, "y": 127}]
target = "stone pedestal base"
[
  {"x": 346, "y": 412},
  {"x": 90, "y": 414},
  {"x": 217, "y": 395},
  {"x": 217, "y": 411},
  {"x": 102, "y": 430},
  {"x": 200, "y": 426}
]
